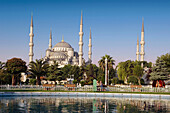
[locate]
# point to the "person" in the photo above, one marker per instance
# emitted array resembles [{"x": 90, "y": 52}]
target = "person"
[
  {"x": 144, "y": 105},
  {"x": 101, "y": 85},
  {"x": 98, "y": 86},
  {"x": 97, "y": 83}
]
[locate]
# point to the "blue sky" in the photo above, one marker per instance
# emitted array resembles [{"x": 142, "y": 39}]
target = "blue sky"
[{"x": 115, "y": 25}]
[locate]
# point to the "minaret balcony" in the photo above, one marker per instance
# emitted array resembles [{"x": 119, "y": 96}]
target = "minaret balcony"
[
  {"x": 80, "y": 53},
  {"x": 31, "y": 35},
  {"x": 142, "y": 43},
  {"x": 31, "y": 54},
  {"x": 80, "y": 43},
  {"x": 142, "y": 53},
  {"x": 81, "y": 33},
  {"x": 31, "y": 44}
]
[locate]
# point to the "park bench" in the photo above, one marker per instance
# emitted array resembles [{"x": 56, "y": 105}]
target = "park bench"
[
  {"x": 48, "y": 86},
  {"x": 136, "y": 88},
  {"x": 70, "y": 87}
]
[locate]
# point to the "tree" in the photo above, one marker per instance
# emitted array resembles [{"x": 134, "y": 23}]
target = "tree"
[
  {"x": 38, "y": 68},
  {"x": 66, "y": 71},
  {"x": 5, "y": 77},
  {"x": 133, "y": 80},
  {"x": 15, "y": 66},
  {"x": 160, "y": 71},
  {"x": 100, "y": 75},
  {"x": 138, "y": 72},
  {"x": 112, "y": 73},
  {"x": 166, "y": 58},
  {"x": 90, "y": 71},
  {"x": 90, "y": 74},
  {"x": 115, "y": 80},
  {"x": 110, "y": 63},
  {"x": 145, "y": 63},
  {"x": 53, "y": 72},
  {"x": 76, "y": 72},
  {"x": 125, "y": 69}
]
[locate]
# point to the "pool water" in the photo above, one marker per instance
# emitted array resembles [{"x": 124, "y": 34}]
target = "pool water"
[{"x": 54, "y": 104}]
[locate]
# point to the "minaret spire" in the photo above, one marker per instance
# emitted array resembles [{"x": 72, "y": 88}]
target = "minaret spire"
[
  {"x": 137, "y": 49},
  {"x": 50, "y": 40},
  {"x": 31, "y": 20},
  {"x": 31, "y": 44},
  {"x": 90, "y": 48},
  {"x": 62, "y": 39},
  {"x": 81, "y": 22},
  {"x": 142, "y": 53},
  {"x": 142, "y": 25},
  {"x": 81, "y": 41}
]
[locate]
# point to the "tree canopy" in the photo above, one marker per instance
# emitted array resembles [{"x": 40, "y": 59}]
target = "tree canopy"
[
  {"x": 130, "y": 68},
  {"x": 138, "y": 72},
  {"x": 15, "y": 66},
  {"x": 54, "y": 72},
  {"x": 38, "y": 68},
  {"x": 125, "y": 69},
  {"x": 161, "y": 70},
  {"x": 110, "y": 61}
]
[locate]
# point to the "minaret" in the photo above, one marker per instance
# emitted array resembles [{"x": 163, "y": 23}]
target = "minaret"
[
  {"x": 50, "y": 40},
  {"x": 81, "y": 42},
  {"x": 31, "y": 44},
  {"x": 142, "y": 53},
  {"x": 137, "y": 49},
  {"x": 90, "y": 47}
]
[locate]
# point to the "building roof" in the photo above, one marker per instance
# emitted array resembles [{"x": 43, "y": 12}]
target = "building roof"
[{"x": 63, "y": 44}]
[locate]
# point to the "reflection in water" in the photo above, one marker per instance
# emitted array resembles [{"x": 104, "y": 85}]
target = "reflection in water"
[{"x": 80, "y": 104}]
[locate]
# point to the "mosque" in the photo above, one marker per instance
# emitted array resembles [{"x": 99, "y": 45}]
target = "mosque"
[{"x": 63, "y": 53}]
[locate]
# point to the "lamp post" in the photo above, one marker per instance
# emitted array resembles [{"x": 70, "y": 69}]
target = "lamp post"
[{"x": 108, "y": 77}]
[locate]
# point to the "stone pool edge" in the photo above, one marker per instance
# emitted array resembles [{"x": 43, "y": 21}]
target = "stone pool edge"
[{"x": 86, "y": 94}]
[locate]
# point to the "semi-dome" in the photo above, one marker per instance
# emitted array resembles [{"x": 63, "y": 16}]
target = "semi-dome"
[{"x": 63, "y": 44}]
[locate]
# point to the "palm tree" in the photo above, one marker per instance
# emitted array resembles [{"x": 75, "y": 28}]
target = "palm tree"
[
  {"x": 38, "y": 69},
  {"x": 110, "y": 61}
]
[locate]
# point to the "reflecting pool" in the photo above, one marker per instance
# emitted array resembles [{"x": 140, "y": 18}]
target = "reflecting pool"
[{"x": 45, "y": 104}]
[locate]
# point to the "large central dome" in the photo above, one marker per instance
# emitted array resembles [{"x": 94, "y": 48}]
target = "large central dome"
[{"x": 63, "y": 44}]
